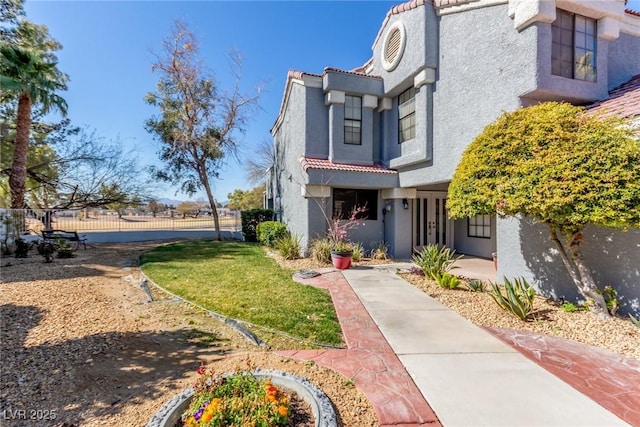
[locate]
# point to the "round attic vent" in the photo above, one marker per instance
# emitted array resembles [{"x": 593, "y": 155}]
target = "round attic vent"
[{"x": 393, "y": 46}]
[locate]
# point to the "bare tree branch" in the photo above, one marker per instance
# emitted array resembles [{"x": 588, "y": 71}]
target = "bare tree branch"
[{"x": 197, "y": 126}]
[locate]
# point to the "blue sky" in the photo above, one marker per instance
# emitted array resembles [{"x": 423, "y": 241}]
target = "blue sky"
[
  {"x": 107, "y": 52},
  {"x": 108, "y": 56}
]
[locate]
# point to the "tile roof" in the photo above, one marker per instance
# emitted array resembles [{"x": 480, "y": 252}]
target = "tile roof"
[
  {"x": 356, "y": 71},
  {"x": 623, "y": 101},
  {"x": 314, "y": 163},
  {"x": 632, "y": 12},
  {"x": 295, "y": 74}
]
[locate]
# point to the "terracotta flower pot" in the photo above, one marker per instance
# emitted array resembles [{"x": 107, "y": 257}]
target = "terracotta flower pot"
[{"x": 341, "y": 259}]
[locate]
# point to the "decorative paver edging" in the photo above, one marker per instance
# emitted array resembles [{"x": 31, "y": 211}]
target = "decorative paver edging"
[
  {"x": 323, "y": 412},
  {"x": 368, "y": 360}
]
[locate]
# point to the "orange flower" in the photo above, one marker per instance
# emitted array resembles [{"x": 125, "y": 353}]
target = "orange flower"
[
  {"x": 271, "y": 398},
  {"x": 282, "y": 410},
  {"x": 206, "y": 417},
  {"x": 190, "y": 421},
  {"x": 214, "y": 403}
]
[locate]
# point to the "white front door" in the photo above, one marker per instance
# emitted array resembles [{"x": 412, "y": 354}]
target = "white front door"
[{"x": 430, "y": 223}]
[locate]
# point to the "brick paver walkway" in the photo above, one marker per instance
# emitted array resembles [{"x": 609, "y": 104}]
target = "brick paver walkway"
[
  {"x": 368, "y": 360},
  {"x": 608, "y": 378}
]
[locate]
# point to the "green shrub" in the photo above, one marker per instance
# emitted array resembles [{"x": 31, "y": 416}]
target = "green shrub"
[
  {"x": 46, "y": 249},
  {"x": 22, "y": 248},
  {"x": 569, "y": 307},
  {"x": 250, "y": 220},
  {"x": 288, "y": 246},
  {"x": 518, "y": 299},
  {"x": 321, "y": 250},
  {"x": 357, "y": 252},
  {"x": 63, "y": 249},
  {"x": 446, "y": 280},
  {"x": 610, "y": 296},
  {"x": 269, "y": 232},
  {"x": 475, "y": 285},
  {"x": 433, "y": 260}
]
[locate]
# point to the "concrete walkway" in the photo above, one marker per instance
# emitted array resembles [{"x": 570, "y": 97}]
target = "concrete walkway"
[
  {"x": 468, "y": 377},
  {"x": 368, "y": 359}
]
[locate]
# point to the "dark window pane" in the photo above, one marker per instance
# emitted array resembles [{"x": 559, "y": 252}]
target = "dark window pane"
[
  {"x": 406, "y": 115},
  {"x": 573, "y": 52},
  {"x": 352, "y": 123},
  {"x": 345, "y": 200},
  {"x": 418, "y": 224},
  {"x": 425, "y": 224},
  {"x": 479, "y": 226}
]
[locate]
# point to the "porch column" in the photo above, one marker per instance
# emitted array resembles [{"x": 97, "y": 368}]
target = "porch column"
[{"x": 397, "y": 222}]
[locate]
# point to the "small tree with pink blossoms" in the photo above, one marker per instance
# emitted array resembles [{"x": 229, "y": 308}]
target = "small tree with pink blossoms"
[{"x": 338, "y": 231}]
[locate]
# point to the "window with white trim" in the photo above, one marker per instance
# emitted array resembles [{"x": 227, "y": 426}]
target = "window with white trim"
[
  {"x": 407, "y": 115},
  {"x": 573, "y": 52},
  {"x": 352, "y": 120},
  {"x": 479, "y": 226}
]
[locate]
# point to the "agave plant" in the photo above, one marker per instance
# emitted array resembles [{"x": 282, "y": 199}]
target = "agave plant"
[
  {"x": 475, "y": 285},
  {"x": 635, "y": 321},
  {"x": 518, "y": 299},
  {"x": 434, "y": 260},
  {"x": 447, "y": 280}
]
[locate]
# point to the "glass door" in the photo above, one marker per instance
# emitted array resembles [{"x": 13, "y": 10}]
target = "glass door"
[{"x": 430, "y": 222}]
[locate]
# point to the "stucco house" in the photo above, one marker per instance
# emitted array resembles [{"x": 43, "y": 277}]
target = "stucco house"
[{"x": 389, "y": 135}]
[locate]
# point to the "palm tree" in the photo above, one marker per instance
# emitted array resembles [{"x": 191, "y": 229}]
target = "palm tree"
[{"x": 26, "y": 74}]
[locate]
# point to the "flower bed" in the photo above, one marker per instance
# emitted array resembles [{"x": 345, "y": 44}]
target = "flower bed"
[{"x": 258, "y": 397}]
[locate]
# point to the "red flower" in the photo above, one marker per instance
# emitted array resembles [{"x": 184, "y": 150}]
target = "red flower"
[{"x": 201, "y": 370}]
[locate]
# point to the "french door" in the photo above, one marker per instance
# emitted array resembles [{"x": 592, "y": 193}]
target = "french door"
[{"x": 430, "y": 222}]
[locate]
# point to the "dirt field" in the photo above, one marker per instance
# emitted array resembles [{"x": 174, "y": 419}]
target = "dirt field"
[{"x": 81, "y": 346}]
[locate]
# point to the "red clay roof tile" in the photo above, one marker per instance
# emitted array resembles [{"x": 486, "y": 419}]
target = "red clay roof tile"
[
  {"x": 632, "y": 12},
  {"x": 623, "y": 101},
  {"x": 314, "y": 163},
  {"x": 356, "y": 71}
]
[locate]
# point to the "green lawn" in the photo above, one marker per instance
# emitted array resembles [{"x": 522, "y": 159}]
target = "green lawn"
[{"x": 238, "y": 280}]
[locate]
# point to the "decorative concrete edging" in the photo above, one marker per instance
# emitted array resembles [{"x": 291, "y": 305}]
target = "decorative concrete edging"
[
  {"x": 169, "y": 415},
  {"x": 234, "y": 323},
  {"x": 238, "y": 325}
]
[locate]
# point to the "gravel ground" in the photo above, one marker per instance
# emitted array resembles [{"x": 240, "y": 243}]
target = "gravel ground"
[
  {"x": 80, "y": 345},
  {"x": 616, "y": 334}
]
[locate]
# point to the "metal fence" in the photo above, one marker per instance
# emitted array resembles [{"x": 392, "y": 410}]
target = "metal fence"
[{"x": 28, "y": 221}]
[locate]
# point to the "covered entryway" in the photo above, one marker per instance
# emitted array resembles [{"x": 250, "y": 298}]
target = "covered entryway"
[{"x": 430, "y": 223}]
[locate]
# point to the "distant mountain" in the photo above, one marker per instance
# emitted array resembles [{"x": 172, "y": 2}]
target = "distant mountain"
[
  {"x": 169, "y": 202},
  {"x": 173, "y": 202}
]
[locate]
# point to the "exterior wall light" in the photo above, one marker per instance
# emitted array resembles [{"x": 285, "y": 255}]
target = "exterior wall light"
[
  {"x": 388, "y": 207},
  {"x": 405, "y": 203}
]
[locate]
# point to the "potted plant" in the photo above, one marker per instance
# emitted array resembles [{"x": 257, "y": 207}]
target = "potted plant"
[
  {"x": 341, "y": 255},
  {"x": 341, "y": 247}
]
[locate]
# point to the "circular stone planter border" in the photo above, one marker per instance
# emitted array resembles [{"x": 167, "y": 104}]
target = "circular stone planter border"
[{"x": 325, "y": 416}]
